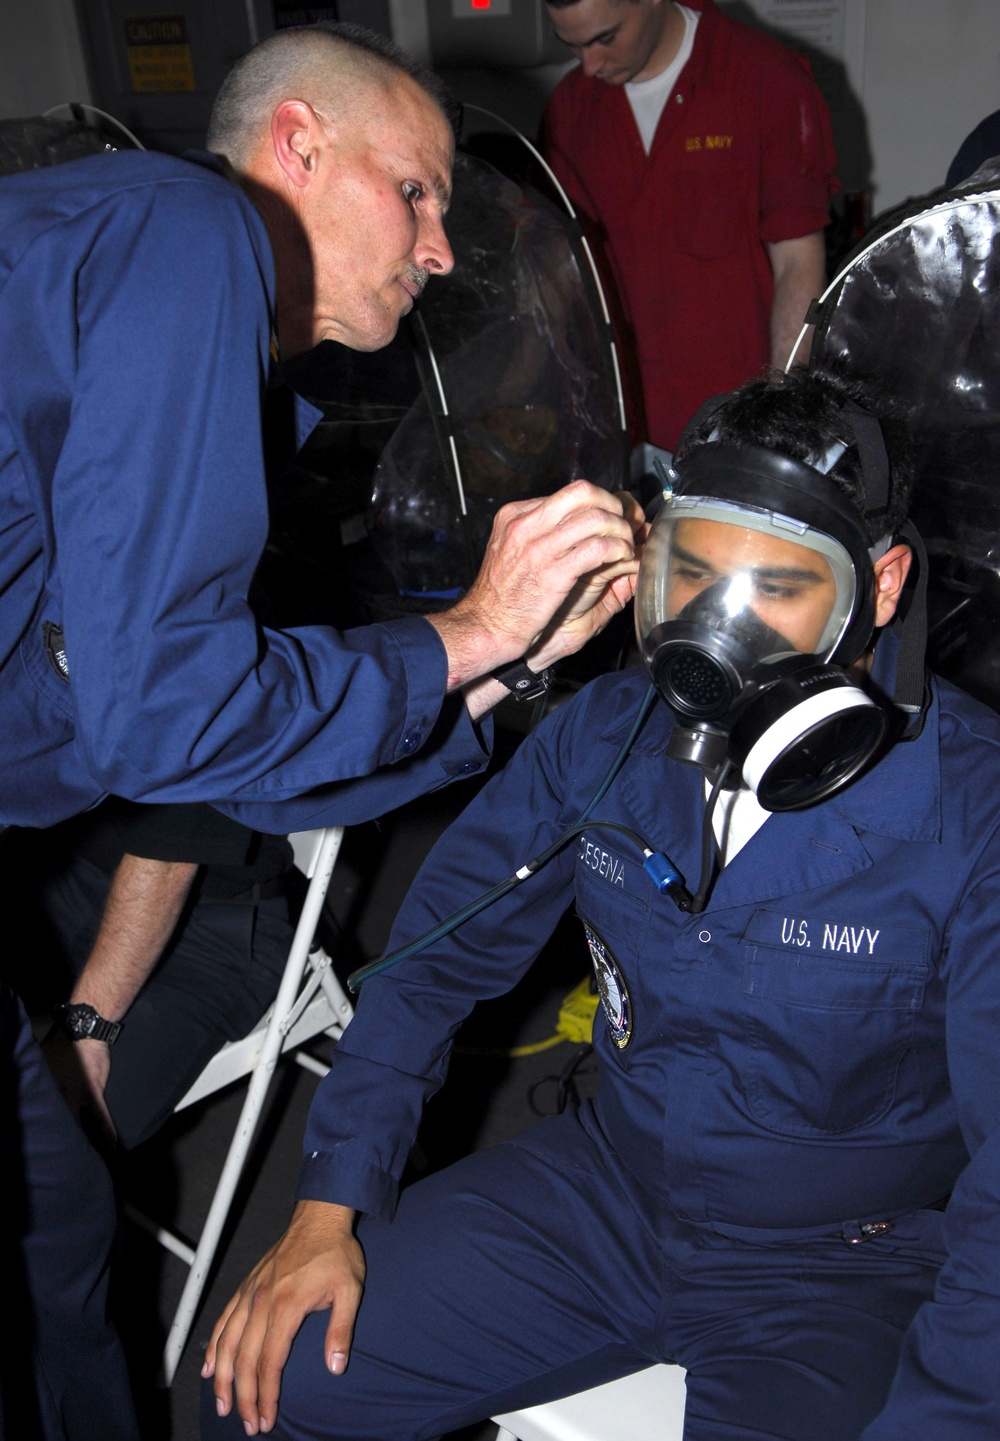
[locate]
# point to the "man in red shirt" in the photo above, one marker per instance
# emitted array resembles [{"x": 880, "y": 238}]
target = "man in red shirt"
[{"x": 700, "y": 157}]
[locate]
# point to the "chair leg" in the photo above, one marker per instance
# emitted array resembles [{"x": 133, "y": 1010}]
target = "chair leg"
[
  {"x": 252, "y": 1106},
  {"x": 161, "y": 1235},
  {"x": 216, "y": 1219}
]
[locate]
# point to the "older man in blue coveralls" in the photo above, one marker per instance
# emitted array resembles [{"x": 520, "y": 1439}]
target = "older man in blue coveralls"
[
  {"x": 143, "y": 301},
  {"x": 788, "y": 1180}
]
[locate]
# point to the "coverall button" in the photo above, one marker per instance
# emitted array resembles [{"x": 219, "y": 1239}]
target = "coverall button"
[
  {"x": 704, "y": 936},
  {"x": 411, "y": 740}
]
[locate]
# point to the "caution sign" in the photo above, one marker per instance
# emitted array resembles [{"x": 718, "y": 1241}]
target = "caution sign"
[{"x": 159, "y": 55}]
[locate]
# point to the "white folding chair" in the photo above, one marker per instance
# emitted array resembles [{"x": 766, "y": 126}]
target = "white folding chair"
[
  {"x": 649, "y": 1404},
  {"x": 310, "y": 1001}
]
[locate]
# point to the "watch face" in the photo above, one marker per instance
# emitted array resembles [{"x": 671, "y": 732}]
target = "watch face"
[{"x": 80, "y": 1021}]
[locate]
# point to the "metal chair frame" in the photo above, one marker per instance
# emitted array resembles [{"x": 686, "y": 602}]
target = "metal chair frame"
[{"x": 310, "y": 1001}]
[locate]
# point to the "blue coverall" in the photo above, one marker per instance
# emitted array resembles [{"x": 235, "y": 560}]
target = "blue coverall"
[
  {"x": 814, "y": 1056},
  {"x": 136, "y": 322},
  {"x": 136, "y": 315}
]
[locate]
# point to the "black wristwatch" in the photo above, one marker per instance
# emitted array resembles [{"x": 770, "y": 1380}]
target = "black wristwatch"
[
  {"x": 82, "y": 1023},
  {"x": 523, "y": 684}
]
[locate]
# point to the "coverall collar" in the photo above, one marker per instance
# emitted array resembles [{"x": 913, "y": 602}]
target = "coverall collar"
[{"x": 900, "y": 798}]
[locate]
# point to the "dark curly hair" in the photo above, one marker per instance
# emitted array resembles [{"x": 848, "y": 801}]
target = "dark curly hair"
[{"x": 802, "y": 414}]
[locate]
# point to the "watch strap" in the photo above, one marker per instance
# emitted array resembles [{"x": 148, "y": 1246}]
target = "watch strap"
[
  {"x": 523, "y": 683},
  {"x": 83, "y": 1022}
]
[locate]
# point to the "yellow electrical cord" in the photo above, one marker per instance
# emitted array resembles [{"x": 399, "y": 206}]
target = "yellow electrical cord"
[{"x": 575, "y": 1023}]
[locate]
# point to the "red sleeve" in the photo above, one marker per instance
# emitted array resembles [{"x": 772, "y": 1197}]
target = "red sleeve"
[
  {"x": 798, "y": 155},
  {"x": 557, "y": 133}
]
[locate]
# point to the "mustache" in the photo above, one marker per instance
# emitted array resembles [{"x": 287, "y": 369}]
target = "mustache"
[{"x": 417, "y": 276}]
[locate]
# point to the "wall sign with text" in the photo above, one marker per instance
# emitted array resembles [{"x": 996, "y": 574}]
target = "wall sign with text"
[{"x": 159, "y": 53}]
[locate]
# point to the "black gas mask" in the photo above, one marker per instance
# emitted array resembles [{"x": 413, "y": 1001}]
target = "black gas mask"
[{"x": 755, "y": 594}]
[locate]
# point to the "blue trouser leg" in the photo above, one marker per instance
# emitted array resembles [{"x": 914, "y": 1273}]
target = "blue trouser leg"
[
  {"x": 216, "y": 980},
  {"x": 469, "y": 1309},
  {"x": 218, "y": 974},
  {"x": 529, "y": 1272},
  {"x": 63, "y": 1371},
  {"x": 796, "y": 1342}
]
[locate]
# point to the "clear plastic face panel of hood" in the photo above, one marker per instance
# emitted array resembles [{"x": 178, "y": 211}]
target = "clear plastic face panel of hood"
[
  {"x": 919, "y": 312},
  {"x": 740, "y": 570},
  {"x": 522, "y": 351},
  {"x": 36, "y": 140}
]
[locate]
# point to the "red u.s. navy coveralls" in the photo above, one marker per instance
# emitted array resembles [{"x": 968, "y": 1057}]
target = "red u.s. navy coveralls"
[
  {"x": 742, "y": 156},
  {"x": 814, "y": 1056}
]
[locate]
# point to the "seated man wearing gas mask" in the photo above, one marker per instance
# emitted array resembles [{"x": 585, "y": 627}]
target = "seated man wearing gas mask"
[{"x": 785, "y": 856}]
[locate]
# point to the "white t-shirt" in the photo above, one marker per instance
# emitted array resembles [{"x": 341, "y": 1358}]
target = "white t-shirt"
[
  {"x": 738, "y": 815},
  {"x": 648, "y": 97}
]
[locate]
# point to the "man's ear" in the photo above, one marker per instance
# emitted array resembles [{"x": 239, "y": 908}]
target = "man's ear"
[
  {"x": 890, "y": 577},
  {"x": 296, "y": 135}
]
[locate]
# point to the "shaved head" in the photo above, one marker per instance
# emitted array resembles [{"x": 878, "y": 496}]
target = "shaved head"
[
  {"x": 344, "y": 146},
  {"x": 335, "y": 68}
]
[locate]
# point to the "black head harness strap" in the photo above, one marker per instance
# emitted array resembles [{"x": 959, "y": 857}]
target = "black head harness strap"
[
  {"x": 910, "y": 689},
  {"x": 910, "y": 692},
  {"x": 868, "y": 437}
]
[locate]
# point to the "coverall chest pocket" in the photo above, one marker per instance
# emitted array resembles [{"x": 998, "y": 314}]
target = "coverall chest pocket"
[
  {"x": 829, "y": 1009},
  {"x": 709, "y": 204}
]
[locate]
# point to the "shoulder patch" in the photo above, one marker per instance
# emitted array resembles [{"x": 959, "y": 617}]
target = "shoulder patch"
[{"x": 612, "y": 989}]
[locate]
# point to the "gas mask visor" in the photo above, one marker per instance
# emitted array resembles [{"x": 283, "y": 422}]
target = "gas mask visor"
[{"x": 740, "y": 611}]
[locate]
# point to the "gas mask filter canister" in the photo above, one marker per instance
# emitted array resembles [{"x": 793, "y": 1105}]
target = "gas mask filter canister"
[{"x": 755, "y": 592}]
